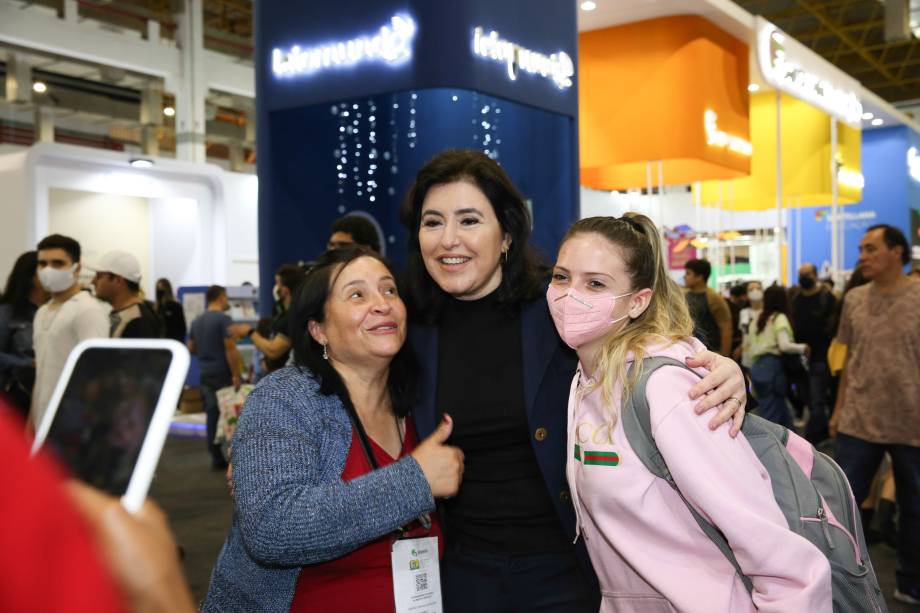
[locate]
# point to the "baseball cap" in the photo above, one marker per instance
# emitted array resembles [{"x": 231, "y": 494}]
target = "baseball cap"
[{"x": 119, "y": 263}]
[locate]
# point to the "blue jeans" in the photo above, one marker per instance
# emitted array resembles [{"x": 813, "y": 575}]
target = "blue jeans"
[
  {"x": 769, "y": 381},
  {"x": 860, "y": 459},
  {"x": 819, "y": 378},
  {"x": 488, "y": 582}
]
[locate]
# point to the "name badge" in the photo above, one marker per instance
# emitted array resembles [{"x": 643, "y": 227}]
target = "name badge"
[{"x": 416, "y": 575}]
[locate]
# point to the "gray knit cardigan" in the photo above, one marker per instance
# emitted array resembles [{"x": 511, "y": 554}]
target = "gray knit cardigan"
[{"x": 292, "y": 507}]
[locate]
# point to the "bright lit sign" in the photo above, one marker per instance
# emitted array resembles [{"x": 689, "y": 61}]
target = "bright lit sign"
[
  {"x": 791, "y": 67},
  {"x": 851, "y": 178},
  {"x": 391, "y": 44},
  {"x": 913, "y": 163},
  {"x": 558, "y": 67},
  {"x": 719, "y": 138}
]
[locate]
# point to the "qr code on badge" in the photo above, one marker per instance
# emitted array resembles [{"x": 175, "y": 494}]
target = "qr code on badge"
[{"x": 421, "y": 582}]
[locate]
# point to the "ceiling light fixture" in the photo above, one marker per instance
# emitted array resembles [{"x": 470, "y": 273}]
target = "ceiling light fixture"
[
  {"x": 588, "y": 5},
  {"x": 39, "y": 87},
  {"x": 753, "y": 87},
  {"x": 169, "y": 111},
  {"x": 141, "y": 163},
  {"x": 878, "y": 121},
  {"x": 867, "y": 116}
]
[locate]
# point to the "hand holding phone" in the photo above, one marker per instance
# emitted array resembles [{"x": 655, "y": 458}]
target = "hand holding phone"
[{"x": 109, "y": 415}]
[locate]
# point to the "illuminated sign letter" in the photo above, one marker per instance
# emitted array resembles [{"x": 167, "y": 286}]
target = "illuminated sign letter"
[
  {"x": 391, "y": 44},
  {"x": 719, "y": 138},
  {"x": 791, "y": 67},
  {"x": 557, "y": 67},
  {"x": 913, "y": 163}
]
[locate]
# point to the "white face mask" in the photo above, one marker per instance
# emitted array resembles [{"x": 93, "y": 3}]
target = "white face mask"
[
  {"x": 755, "y": 295},
  {"x": 56, "y": 280}
]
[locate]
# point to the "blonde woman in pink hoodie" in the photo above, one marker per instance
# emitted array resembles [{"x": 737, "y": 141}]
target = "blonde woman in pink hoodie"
[{"x": 613, "y": 302}]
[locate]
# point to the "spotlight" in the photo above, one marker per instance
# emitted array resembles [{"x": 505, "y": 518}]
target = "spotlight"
[
  {"x": 588, "y": 5},
  {"x": 867, "y": 116},
  {"x": 39, "y": 87},
  {"x": 141, "y": 163},
  {"x": 169, "y": 111},
  {"x": 753, "y": 87},
  {"x": 878, "y": 121}
]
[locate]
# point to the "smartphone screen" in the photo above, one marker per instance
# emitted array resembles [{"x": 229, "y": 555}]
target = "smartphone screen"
[{"x": 104, "y": 414}]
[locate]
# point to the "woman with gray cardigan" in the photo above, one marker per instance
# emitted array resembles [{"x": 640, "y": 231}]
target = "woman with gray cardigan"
[{"x": 327, "y": 469}]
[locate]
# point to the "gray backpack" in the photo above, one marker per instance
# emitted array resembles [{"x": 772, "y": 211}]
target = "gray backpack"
[{"x": 810, "y": 489}]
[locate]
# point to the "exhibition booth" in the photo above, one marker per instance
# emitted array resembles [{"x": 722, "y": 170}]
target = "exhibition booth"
[{"x": 351, "y": 104}]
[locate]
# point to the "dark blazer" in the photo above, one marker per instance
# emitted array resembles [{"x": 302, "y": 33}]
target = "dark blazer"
[{"x": 549, "y": 366}]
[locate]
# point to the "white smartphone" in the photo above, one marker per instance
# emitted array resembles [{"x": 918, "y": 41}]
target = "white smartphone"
[{"x": 110, "y": 412}]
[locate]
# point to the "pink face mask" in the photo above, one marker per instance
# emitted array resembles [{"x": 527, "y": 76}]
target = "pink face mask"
[{"x": 581, "y": 318}]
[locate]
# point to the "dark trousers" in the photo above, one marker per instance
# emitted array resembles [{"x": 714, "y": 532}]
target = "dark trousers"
[
  {"x": 488, "y": 582},
  {"x": 860, "y": 460},
  {"x": 769, "y": 381},
  {"x": 209, "y": 387},
  {"x": 819, "y": 380}
]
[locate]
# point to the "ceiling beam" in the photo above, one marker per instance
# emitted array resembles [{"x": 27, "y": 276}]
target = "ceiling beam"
[{"x": 846, "y": 39}]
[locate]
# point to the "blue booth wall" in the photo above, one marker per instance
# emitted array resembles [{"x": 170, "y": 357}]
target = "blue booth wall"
[
  {"x": 352, "y": 138},
  {"x": 889, "y": 196}
]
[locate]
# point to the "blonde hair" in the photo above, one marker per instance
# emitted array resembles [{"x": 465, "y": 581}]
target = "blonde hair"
[{"x": 667, "y": 317}]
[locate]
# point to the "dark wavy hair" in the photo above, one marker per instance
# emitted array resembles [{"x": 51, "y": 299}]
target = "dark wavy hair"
[
  {"x": 19, "y": 286},
  {"x": 309, "y": 304},
  {"x": 775, "y": 300},
  {"x": 523, "y": 272}
]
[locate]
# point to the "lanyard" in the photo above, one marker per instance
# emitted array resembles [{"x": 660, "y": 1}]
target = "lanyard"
[{"x": 425, "y": 518}]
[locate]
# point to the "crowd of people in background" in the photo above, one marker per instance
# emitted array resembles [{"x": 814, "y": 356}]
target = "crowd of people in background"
[
  {"x": 841, "y": 368},
  {"x": 448, "y": 402}
]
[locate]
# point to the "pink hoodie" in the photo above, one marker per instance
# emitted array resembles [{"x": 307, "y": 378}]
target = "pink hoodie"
[{"x": 648, "y": 552}]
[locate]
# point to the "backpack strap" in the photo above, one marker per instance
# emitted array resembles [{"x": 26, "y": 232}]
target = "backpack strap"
[{"x": 637, "y": 424}]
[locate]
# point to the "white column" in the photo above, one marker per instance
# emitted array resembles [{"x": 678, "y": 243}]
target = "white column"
[
  {"x": 151, "y": 117},
  {"x": 777, "y": 233},
  {"x": 18, "y": 79},
  {"x": 44, "y": 124},
  {"x": 835, "y": 209},
  {"x": 190, "y": 88}
]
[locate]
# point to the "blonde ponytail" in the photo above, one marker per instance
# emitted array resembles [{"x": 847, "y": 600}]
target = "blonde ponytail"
[{"x": 666, "y": 320}]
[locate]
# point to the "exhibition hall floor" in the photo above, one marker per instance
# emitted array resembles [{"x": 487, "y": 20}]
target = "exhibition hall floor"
[{"x": 199, "y": 508}]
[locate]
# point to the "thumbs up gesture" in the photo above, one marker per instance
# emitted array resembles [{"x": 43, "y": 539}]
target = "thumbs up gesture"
[{"x": 442, "y": 464}]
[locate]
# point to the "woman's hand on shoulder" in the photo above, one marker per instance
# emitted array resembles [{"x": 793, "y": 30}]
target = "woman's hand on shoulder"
[
  {"x": 723, "y": 388},
  {"x": 441, "y": 464}
]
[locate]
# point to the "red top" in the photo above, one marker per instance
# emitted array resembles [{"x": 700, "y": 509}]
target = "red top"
[
  {"x": 49, "y": 554},
  {"x": 361, "y": 580}
]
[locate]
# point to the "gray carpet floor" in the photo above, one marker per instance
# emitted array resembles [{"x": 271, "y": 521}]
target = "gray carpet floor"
[{"x": 200, "y": 509}]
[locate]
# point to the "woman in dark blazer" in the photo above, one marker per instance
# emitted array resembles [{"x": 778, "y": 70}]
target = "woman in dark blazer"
[{"x": 491, "y": 358}]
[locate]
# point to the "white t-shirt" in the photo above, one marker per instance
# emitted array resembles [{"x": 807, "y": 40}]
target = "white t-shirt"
[{"x": 56, "y": 331}]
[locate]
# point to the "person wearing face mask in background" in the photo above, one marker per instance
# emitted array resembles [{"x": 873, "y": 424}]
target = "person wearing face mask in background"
[
  {"x": 275, "y": 343},
  {"x": 813, "y": 307},
  {"x": 71, "y": 316},
  {"x": 745, "y": 317},
  {"x": 169, "y": 309},
  {"x": 612, "y": 300}
]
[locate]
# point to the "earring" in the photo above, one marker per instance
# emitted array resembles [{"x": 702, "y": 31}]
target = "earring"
[
  {"x": 504, "y": 256},
  {"x": 325, "y": 353}
]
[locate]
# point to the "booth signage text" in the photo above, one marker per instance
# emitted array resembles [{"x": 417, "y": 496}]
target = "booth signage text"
[
  {"x": 391, "y": 44},
  {"x": 559, "y": 66},
  {"x": 719, "y": 138},
  {"x": 787, "y": 66},
  {"x": 913, "y": 163},
  {"x": 851, "y": 178}
]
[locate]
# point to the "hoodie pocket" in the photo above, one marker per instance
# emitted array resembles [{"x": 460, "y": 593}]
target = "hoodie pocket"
[{"x": 616, "y": 602}]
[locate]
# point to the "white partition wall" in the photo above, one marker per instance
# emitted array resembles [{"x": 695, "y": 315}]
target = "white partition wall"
[{"x": 201, "y": 221}]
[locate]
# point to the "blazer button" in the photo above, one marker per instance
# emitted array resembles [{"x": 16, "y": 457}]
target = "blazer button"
[
  {"x": 540, "y": 434},
  {"x": 564, "y": 496}
]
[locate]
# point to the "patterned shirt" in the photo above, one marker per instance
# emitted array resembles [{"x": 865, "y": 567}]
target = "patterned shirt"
[{"x": 882, "y": 331}]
